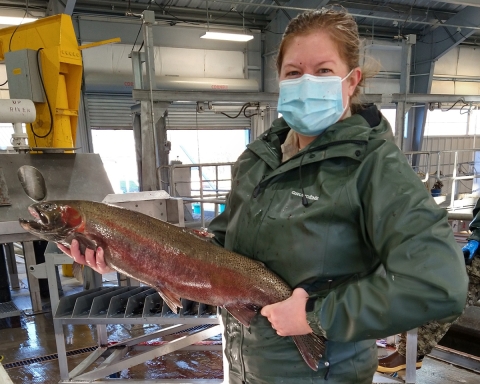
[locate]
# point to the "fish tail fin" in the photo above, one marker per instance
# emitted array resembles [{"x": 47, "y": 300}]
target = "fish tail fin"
[
  {"x": 77, "y": 270},
  {"x": 311, "y": 347}
]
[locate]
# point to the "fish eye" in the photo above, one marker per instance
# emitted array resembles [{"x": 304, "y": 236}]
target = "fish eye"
[{"x": 48, "y": 206}]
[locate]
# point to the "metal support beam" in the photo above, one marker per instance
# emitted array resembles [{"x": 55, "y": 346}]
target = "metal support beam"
[
  {"x": 433, "y": 98},
  {"x": 411, "y": 358},
  {"x": 428, "y": 50},
  {"x": 33, "y": 284},
  {"x": 61, "y": 349},
  {"x": 11, "y": 265},
  {"x": 473, "y": 3},
  {"x": 148, "y": 113},
  {"x": 149, "y": 128},
  {"x": 419, "y": 120},
  {"x": 438, "y": 42},
  {"x": 400, "y": 124},
  {"x": 407, "y": 45},
  {"x": 148, "y": 163},
  {"x": 169, "y": 96},
  {"x": 163, "y": 150},
  {"x": 137, "y": 136},
  {"x": 56, "y": 7},
  {"x": 69, "y": 7},
  {"x": 403, "y": 140},
  {"x": 172, "y": 346}
]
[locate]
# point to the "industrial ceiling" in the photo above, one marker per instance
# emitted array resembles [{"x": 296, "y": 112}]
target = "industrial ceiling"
[{"x": 387, "y": 19}]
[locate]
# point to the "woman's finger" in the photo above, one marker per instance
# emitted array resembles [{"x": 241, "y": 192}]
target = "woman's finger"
[{"x": 64, "y": 249}]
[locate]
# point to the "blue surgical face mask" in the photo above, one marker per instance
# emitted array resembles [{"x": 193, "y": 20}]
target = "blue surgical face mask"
[{"x": 311, "y": 104}]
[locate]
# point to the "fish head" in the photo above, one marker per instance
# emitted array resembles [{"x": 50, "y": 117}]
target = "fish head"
[{"x": 53, "y": 220}]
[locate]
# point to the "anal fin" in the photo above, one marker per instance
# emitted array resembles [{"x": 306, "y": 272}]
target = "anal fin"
[
  {"x": 170, "y": 298},
  {"x": 77, "y": 270},
  {"x": 311, "y": 347},
  {"x": 243, "y": 313}
]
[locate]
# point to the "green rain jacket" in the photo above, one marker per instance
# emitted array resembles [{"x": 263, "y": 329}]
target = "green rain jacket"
[{"x": 371, "y": 245}]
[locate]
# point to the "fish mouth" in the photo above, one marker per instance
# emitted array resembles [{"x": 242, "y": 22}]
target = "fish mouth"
[{"x": 41, "y": 222}]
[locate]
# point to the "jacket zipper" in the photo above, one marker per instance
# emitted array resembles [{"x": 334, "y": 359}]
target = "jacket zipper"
[{"x": 242, "y": 364}]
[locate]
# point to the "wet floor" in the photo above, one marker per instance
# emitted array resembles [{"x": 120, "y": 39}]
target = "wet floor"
[{"x": 32, "y": 336}]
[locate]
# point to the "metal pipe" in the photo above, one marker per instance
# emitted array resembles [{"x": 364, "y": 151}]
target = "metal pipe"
[
  {"x": 17, "y": 111},
  {"x": 465, "y": 216}
]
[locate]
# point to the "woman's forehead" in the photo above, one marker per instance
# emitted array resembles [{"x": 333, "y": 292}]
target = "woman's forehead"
[{"x": 317, "y": 46}]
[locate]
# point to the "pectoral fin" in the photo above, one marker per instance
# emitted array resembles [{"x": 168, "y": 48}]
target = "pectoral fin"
[
  {"x": 243, "y": 313},
  {"x": 170, "y": 298},
  {"x": 83, "y": 242},
  {"x": 311, "y": 347}
]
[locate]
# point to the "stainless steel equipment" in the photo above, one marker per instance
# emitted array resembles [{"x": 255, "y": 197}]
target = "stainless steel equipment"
[{"x": 66, "y": 176}]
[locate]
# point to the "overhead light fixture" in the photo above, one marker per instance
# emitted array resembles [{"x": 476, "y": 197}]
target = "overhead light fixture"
[
  {"x": 226, "y": 36},
  {"x": 10, "y": 20}
]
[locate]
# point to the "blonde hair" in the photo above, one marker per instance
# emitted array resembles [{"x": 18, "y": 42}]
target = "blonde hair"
[{"x": 342, "y": 29}]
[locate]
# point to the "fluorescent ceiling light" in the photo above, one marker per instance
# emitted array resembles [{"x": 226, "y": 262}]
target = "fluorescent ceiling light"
[
  {"x": 10, "y": 20},
  {"x": 226, "y": 36}
]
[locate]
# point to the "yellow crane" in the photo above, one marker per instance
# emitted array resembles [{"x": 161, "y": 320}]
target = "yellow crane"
[{"x": 59, "y": 63}]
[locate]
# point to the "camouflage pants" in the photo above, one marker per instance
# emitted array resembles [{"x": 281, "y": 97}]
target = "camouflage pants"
[{"x": 430, "y": 334}]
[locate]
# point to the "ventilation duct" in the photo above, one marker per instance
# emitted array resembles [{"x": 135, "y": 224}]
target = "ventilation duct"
[{"x": 114, "y": 83}]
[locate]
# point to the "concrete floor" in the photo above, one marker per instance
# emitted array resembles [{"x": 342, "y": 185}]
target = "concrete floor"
[{"x": 35, "y": 338}]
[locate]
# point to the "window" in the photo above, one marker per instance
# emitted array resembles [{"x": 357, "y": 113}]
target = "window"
[
  {"x": 390, "y": 114},
  {"x": 446, "y": 123},
  {"x": 207, "y": 146},
  {"x": 117, "y": 150},
  {"x": 6, "y": 130}
]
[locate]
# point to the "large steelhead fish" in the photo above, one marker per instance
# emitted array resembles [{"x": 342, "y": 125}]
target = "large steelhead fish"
[{"x": 173, "y": 260}]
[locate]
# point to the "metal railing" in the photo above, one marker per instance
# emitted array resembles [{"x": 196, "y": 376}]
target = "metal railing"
[
  {"x": 206, "y": 185},
  {"x": 446, "y": 168},
  {"x": 203, "y": 186}
]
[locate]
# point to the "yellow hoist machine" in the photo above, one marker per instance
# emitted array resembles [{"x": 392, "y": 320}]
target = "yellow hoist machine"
[{"x": 44, "y": 65}]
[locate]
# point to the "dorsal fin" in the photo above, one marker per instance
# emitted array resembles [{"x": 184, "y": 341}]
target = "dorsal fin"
[{"x": 201, "y": 234}]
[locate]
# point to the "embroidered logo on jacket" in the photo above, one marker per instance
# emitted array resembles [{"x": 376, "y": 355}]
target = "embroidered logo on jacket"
[{"x": 310, "y": 197}]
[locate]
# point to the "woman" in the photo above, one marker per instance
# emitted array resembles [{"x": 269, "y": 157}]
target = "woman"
[{"x": 326, "y": 200}]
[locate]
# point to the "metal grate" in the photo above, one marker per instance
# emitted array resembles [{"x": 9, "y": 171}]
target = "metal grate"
[
  {"x": 22, "y": 363},
  {"x": 8, "y": 309},
  {"x": 128, "y": 304}
]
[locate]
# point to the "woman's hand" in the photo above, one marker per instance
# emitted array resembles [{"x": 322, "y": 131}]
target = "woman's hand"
[
  {"x": 289, "y": 317},
  {"x": 93, "y": 259}
]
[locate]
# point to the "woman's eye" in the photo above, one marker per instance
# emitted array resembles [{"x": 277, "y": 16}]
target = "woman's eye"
[
  {"x": 324, "y": 71},
  {"x": 292, "y": 74}
]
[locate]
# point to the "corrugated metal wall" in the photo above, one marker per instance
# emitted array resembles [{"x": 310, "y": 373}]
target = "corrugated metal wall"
[{"x": 107, "y": 111}]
